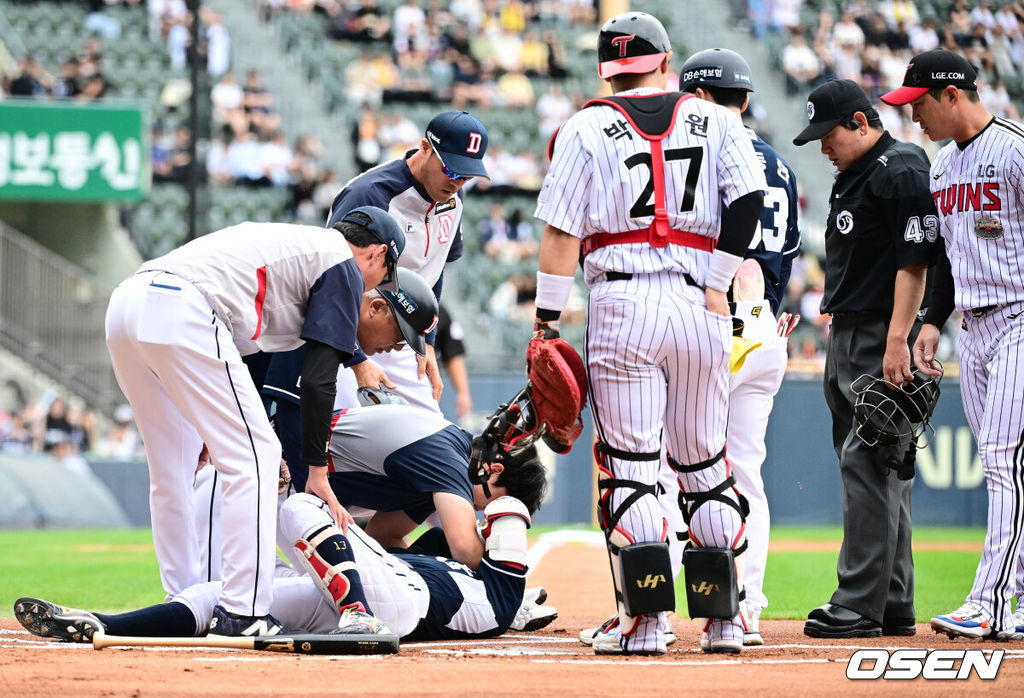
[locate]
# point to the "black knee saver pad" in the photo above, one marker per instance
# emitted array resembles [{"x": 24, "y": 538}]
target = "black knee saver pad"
[
  {"x": 646, "y": 574},
  {"x": 712, "y": 590}
]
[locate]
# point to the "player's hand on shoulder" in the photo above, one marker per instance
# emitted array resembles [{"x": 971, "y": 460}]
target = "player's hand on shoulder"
[{"x": 716, "y": 302}]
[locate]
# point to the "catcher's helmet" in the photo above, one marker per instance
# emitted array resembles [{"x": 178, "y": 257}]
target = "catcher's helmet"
[
  {"x": 633, "y": 42},
  {"x": 375, "y": 396},
  {"x": 891, "y": 415},
  {"x": 716, "y": 67}
]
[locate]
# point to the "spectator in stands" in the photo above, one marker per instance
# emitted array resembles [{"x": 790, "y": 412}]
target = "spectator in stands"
[
  {"x": 924, "y": 37},
  {"x": 363, "y": 24},
  {"x": 244, "y": 160},
  {"x": 366, "y": 148},
  {"x": 225, "y": 97},
  {"x": 514, "y": 91},
  {"x": 95, "y": 84},
  {"x": 178, "y": 39},
  {"x": 65, "y": 85},
  {"x": 218, "y": 167},
  {"x": 507, "y": 237},
  {"x": 557, "y": 59},
  {"x": 256, "y": 101},
  {"x": 553, "y": 108},
  {"x": 960, "y": 22},
  {"x": 408, "y": 20},
  {"x": 122, "y": 442},
  {"x": 801, "y": 64},
  {"x": 56, "y": 426},
  {"x": 160, "y": 154},
  {"x": 218, "y": 43},
  {"x": 468, "y": 85},
  {"x": 32, "y": 80},
  {"x": 534, "y": 55},
  {"x": 275, "y": 159},
  {"x": 847, "y": 32}
]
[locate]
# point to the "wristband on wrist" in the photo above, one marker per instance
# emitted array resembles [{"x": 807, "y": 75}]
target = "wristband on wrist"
[
  {"x": 721, "y": 270},
  {"x": 553, "y": 291}
]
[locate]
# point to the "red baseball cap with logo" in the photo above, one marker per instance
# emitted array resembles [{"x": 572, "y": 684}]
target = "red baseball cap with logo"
[
  {"x": 633, "y": 42},
  {"x": 931, "y": 69}
]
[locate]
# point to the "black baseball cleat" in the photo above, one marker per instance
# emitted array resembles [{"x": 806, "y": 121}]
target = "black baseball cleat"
[
  {"x": 833, "y": 621},
  {"x": 47, "y": 619},
  {"x": 227, "y": 624}
]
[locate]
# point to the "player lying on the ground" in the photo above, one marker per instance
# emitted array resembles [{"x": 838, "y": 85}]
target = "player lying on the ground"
[
  {"x": 404, "y": 462},
  {"x": 418, "y": 597}
]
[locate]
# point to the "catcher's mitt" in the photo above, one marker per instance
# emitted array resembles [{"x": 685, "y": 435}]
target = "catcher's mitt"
[{"x": 558, "y": 385}]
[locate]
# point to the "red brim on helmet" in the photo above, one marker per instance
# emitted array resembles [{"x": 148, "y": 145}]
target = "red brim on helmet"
[
  {"x": 632, "y": 64},
  {"x": 903, "y": 95}
]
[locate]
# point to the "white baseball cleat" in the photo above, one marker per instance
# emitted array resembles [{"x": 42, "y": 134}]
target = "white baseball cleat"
[
  {"x": 970, "y": 620},
  {"x": 722, "y": 636},
  {"x": 752, "y": 635},
  {"x": 537, "y": 595},
  {"x": 356, "y": 622},
  {"x": 610, "y": 643},
  {"x": 588, "y": 635}
]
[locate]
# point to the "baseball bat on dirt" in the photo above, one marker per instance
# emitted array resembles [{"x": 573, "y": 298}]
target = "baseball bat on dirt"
[{"x": 290, "y": 644}]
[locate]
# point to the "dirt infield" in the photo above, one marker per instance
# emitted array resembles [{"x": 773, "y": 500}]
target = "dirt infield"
[{"x": 549, "y": 662}]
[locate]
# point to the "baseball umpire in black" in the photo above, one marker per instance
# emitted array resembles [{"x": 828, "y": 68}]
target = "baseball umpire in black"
[{"x": 879, "y": 242}]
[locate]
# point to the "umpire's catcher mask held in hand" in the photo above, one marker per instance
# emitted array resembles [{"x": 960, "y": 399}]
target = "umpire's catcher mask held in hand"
[{"x": 892, "y": 415}]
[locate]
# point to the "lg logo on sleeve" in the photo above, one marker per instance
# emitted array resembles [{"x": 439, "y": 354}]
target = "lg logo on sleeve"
[{"x": 907, "y": 664}]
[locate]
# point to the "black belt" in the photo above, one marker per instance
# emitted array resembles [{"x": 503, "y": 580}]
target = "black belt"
[
  {"x": 856, "y": 313},
  {"x": 626, "y": 276},
  {"x": 979, "y": 312}
]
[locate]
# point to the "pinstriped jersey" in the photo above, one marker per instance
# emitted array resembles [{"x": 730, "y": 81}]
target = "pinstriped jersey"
[
  {"x": 600, "y": 181},
  {"x": 978, "y": 188}
]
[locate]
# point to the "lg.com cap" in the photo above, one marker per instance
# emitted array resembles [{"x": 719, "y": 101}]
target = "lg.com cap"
[
  {"x": 460, "y": 139},
  {"x": 828, "y": 105},
  {"x": 414, "y": 307},
  {"x": 931, "y": 69},
  {"x": 383, "y": 227}
]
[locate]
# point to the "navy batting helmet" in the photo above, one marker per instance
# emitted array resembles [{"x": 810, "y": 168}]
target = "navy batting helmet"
[
  {"x": 633, "y": 42},
  {"x": 715, "y": 67},
  {"x": 415, "y": 308},
  {"x": 368, "y": 397}
]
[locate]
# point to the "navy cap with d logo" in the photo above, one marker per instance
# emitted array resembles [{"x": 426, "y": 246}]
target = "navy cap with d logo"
[{"x": 460, "y": 140}]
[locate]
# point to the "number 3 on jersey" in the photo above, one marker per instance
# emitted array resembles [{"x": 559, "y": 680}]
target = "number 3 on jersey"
[
  {"x": 644, "y": 205},
  {"x": 776, "y": 206}
]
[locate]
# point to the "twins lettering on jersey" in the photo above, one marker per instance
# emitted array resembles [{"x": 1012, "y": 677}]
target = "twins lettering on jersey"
[{"x": 968, "y": 197}]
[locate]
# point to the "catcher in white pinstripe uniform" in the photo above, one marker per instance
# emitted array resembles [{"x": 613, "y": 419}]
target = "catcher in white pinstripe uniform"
[
  {"x": 662, "y": 193},
  {"x": 978, "y": 187}
]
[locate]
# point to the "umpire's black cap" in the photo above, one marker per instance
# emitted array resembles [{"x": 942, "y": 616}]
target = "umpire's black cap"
[
  {"x": 828, "y": 105},
  {"x": 415, "y": 308}
]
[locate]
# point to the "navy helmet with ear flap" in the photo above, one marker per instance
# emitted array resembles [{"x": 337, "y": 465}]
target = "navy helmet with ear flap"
[
  {"x": 415, "y": 308},
  {"x": 716, "y": 67}
]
